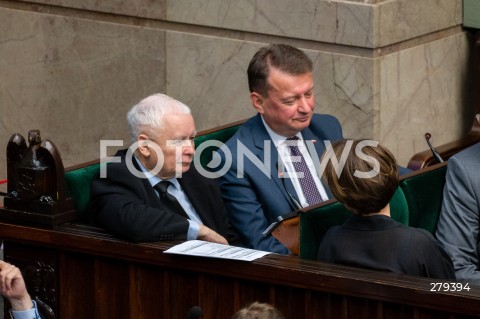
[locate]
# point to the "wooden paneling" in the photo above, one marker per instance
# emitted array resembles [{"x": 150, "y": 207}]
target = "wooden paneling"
[
  {"x": 98, "y": 276},
  {"x": 76, "y": 285}
]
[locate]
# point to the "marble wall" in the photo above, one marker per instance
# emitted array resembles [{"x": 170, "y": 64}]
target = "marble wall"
[{"x": 389, "y": 70}]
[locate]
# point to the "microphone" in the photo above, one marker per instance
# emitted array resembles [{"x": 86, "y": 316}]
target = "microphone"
[
  {"x": 434, "y": 152},
  {"x": 194, "y": 313},
  {"x": 478, "y": 117}
]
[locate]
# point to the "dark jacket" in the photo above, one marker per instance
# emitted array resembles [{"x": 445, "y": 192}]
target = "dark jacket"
[
  {"x": 129, "y": 207},
  {"x": 380, "y": 242}
]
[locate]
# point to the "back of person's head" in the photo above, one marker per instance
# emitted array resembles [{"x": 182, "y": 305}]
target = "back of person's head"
[
  {"x": 258, "y": 310},
  {"x": 147, "y": 116},
  {"x": 282, "y": 57},
  {"x": 361, "y": 194}
]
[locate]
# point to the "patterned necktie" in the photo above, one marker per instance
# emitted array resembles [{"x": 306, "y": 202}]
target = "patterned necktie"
[
  {"x": 310, "y": 190},
  {"x": 168, "y": 199}
]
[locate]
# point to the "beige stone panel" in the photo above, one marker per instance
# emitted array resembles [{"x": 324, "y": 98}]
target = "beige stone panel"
[
  {"x": 355, "y": 24},
  {"x": 138, "y": 8},
  {"x": 368, "y": 24},
  {"x": 209, "y": 74},
  {"x": 344, "y": 88},
  {"x": 400, "y": 20},
  {"x": 73, "y": 79},
  {"x": 422, "y": 89},
  {"x": 310, "y": 19},
  {"x": 364, "y": 1}
]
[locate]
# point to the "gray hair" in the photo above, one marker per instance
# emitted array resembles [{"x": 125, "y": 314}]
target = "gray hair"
[{"x": 148, "y": 114}]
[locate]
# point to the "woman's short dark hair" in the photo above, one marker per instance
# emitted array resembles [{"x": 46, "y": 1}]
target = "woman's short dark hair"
[
  {"x": 283, "y": 57},
  {"x": 363, "y": 195}
]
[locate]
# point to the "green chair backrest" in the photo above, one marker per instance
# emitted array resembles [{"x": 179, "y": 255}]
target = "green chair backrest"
[
  {"x": 78, "y": 182},
  {"x": 424, "y": 194},
  {"x": 315, "y": 223},
  {"x": 221, "y": 136}
]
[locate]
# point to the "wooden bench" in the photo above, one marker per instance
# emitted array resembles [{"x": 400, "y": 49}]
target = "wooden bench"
[{"x": 86, "y": 273}]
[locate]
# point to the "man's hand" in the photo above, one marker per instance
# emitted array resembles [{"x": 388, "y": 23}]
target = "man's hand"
[
  {"x": 13, "y": 287},
  {"x": 208, "y": 234}
]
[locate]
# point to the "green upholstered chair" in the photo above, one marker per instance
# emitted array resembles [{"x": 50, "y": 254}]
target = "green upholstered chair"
[
  {"x": 315, "y": 223},
  {"x": 221, "y": 135},
  {"x": 424, "y": 194},
  {"x": 78, "y": 182}
]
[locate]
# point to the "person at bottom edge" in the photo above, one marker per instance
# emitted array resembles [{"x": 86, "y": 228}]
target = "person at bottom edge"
[
  {"x": 371, "y": 238},
  {"x": 12, "y": 287},
  {"x": 154, "y": 193},
  {"x": 258, "y": 310}
]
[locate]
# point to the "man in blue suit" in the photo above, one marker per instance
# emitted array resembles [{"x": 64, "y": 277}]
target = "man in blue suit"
[
  {"x": 261, "y": 153},
  {"x": 458, "y": 228}
]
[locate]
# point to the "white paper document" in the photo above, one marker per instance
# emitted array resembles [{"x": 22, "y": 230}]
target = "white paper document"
[{"x": 213, "y": 250}]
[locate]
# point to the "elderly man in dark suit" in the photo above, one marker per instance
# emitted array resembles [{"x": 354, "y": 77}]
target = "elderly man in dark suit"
[{"x": 153, "y": 193}]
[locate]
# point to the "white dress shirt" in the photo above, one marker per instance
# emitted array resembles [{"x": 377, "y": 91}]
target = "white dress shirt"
[
  {"x": 176, "y": 190},
  {"x": 26, "y": 314},
  {"x": 284, "y": 153}
]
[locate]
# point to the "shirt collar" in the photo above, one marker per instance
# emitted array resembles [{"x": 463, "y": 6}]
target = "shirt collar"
[
  {"x": 278, "y": 139},
  {"x": 154, "y": 179}
]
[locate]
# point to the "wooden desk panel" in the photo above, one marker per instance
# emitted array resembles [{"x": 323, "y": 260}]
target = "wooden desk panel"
[{"x": 98, "y": 276}]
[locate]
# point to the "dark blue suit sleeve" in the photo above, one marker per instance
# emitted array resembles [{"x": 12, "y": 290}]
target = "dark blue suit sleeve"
[{"x": 246, "y": 213}]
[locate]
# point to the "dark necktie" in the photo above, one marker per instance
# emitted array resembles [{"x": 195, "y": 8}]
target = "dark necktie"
[
  {"x": 310, "y": 190},
  {"x": 168, "y": 199}
]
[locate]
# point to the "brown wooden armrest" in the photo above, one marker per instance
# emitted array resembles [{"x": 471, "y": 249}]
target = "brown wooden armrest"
[{"x": 288, "y": 233}]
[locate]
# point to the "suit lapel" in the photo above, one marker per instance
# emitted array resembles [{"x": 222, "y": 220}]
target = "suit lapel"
[
  {"x": 153, "y": 198},
  {"x": 195, "y": 192},
  {"x": 150, "y": 192},
  {"x": 310, "y": 139},
  {"x": 260, "y": 135}
]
